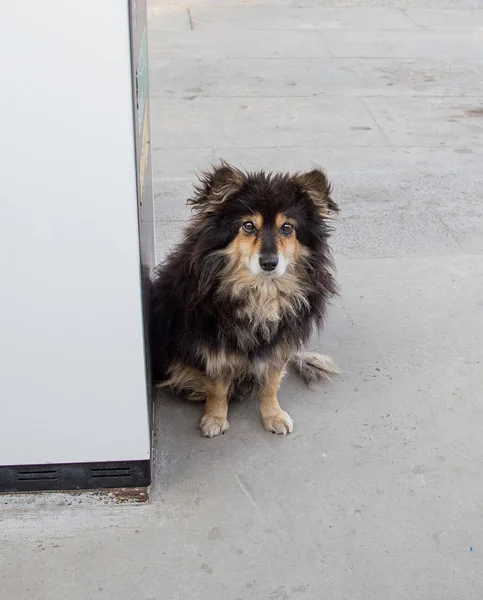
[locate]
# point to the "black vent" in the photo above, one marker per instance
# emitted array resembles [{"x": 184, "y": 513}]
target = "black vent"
[{"x": 75, "y": 476}]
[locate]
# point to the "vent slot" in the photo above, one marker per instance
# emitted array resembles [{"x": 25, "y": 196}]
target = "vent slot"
[
  {"x": 36, "y": 475},
  {"x": 111, "y": 472}
]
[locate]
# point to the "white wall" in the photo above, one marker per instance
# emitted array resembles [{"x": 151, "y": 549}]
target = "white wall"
[{"x": 71, "y": 348}]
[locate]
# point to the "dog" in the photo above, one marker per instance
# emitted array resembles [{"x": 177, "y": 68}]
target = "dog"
[{"x": 239, "y": 297}]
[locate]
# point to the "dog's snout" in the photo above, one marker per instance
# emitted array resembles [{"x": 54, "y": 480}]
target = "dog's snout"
[{"x": 269, "y": 262}]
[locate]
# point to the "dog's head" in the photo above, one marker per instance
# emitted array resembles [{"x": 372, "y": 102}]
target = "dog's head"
[{"x": 266, "y": 223}]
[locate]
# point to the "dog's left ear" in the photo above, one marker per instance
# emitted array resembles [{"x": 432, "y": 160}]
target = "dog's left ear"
[
  {"x": 317, "y": 187},
  {"x": 216, "y": 186}
]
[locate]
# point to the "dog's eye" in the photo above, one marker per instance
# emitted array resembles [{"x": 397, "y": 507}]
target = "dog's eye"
[
  {"x": 286, "y": 228},
  {"x": 249, "y": 227}
]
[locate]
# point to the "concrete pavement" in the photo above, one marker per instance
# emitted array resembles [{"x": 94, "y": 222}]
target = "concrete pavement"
[{"x": 377, "y": 494}]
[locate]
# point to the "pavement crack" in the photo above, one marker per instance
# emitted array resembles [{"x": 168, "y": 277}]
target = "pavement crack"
[
  {"x": 375, "y": 121},
  {"x": 246, "y": 492}
]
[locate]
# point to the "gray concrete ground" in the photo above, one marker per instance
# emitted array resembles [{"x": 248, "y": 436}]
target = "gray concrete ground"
[{"x": 378, "y": 492}]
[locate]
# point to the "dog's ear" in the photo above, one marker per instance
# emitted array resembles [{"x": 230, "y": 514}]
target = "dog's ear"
[
  {"x": 317, "y": 187},
  {"x": 216, "y": 186}
]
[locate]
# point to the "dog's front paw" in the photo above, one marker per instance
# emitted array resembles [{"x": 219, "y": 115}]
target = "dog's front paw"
[
  {"x": 213, "y": 426},
  {"x": 280, "y": 422}
]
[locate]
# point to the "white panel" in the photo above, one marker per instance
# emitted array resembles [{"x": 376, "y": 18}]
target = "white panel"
[{"x": 71, "y": 347}]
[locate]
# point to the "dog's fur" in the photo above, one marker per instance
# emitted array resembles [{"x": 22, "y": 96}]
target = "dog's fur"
[{"x": 218, "y": 319}]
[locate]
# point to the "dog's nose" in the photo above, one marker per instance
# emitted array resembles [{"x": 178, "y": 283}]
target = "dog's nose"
[{"x": 269, "y": 262}]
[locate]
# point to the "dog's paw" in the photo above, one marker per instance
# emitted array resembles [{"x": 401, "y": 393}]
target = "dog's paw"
[
  {"x": 280, "y": 422},
  {"x": 213, "y": 426}
]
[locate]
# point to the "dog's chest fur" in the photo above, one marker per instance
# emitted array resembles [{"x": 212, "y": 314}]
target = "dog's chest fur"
[{"x": 261, "y": 310}]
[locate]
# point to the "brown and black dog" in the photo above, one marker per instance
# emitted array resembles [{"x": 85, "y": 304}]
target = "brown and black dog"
[{"x": 238, "y": 299}]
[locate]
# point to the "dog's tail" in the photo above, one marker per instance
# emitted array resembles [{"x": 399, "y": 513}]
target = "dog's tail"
[{"x": 313, "y": 367}]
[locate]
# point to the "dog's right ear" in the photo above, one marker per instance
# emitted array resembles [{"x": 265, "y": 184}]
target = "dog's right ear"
[{"x": 216, "y": 186}]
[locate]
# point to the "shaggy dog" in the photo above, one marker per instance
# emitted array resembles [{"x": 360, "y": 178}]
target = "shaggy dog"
[{"x": 239, "y": 297}]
